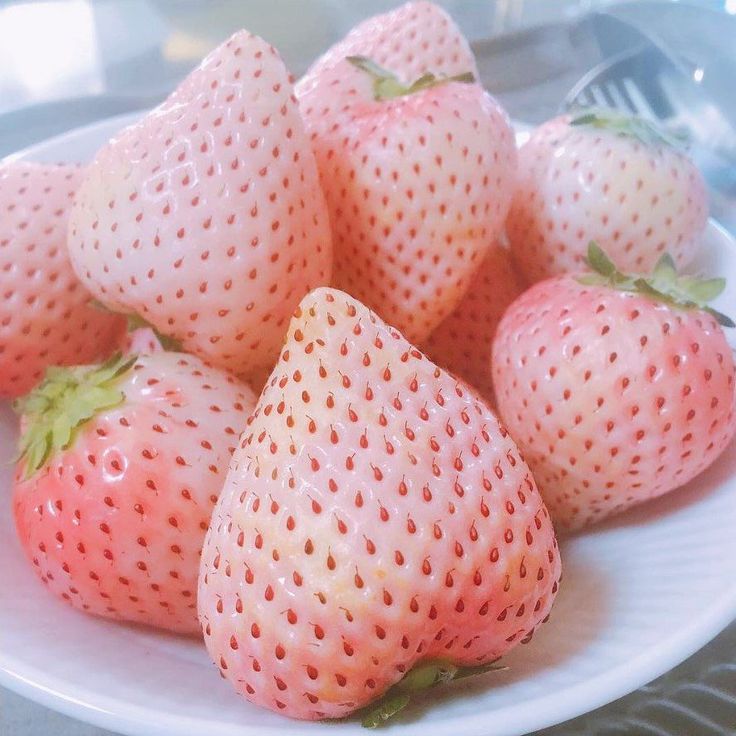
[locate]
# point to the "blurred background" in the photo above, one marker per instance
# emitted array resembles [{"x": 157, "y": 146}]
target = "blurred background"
[
  {"x": 78, "y": 59},
  {"x": 66, "y": 63}
]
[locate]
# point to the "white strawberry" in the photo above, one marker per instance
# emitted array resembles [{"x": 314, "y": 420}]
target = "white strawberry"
[
  {"x": 121, "y": 466},
  {"x": 418, "y": 179},
  {"x": 45, "y": 313},
  {"x": 601, "y": 176},
  {"x": 206, "y": 217},
  {"x": 376, "y": 518},
  {"x": 411, "y": 40}
]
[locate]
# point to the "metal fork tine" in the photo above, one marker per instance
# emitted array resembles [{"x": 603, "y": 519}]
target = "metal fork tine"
[
  {"x": 599, "y": 99},
  {"x": 606, "y": 92},
  {"x": 591, "y": 99},
  {"x": 639, "y": 103},
  {"x": 623, "y": 88},
  {"x": 616, "y": 92},
  {"x": 583, "y": 99}
]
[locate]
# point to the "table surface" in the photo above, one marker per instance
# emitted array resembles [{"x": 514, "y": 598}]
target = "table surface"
[{"x": 106, "y": 76}]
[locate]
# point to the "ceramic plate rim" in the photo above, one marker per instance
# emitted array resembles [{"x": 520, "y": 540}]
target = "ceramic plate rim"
[{"x": 600, "y": 690}]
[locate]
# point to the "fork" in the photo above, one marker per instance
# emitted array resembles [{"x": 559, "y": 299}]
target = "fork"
[
  {"x": 651, "y": 83},
  {"x": 616, "y": 83}
]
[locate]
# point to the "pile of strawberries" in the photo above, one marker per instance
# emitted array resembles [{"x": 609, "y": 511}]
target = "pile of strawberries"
[{"x": 339, "y": 290}]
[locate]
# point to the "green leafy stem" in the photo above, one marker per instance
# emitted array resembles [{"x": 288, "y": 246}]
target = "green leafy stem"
[
  {"x": 424, "y": 676},
  {"x": 64, "y": 401},
  {"x": 632, "y": 126},
  {"x": 663, "y": 284},
  {"x": 386, "y": 85}
]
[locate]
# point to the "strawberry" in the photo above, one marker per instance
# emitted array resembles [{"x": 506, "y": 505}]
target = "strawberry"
[
  {"x": 206, "y": 218},
  {"x": 616, "y": 180},
  {"x": 413, "y": 39},
  {"x": 617, "y": 388},
  {"x": 45, "y": 313},
  {"x": 462, "y": 343},
  {"x": 142, "y": 340},
  {"x": 418, "y": 182},
  {"x": 121, "y": 466},
  {"x": 375, "y": 517}
]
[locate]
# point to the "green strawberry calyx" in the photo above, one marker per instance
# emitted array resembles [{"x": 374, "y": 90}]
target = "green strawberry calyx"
[
  {"x": 387, "y": 86},
  {"x": 424, "y": 676},
  {"x": 631, "y": 126},
  {"x": 664, "y": 284},
  {"x": 63, "y": 402}
]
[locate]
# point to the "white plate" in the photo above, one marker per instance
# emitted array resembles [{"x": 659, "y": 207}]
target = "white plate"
[{"x": 639, "y": 595}]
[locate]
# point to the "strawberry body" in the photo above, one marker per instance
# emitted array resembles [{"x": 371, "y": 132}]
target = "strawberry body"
[
  {"x": 140, "y": 341},
  {"x": 114, "y": 523},
  {"x": 463, "y": 342},
  {"x": 417, "y": 186},
  {"x": 613, "y": 398},
  {"x": 413, "y": 39},
  {"x": 45, "y": 312},
  {"x": 206, "y": 217},
  {"x": 375, "y": 515},
  {"x": 581, "y": 183}
]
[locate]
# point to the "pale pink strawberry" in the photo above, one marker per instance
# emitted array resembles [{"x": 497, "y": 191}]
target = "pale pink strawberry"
[
  {"x": 113, "y": 508},
  {"x": 462, "y": 343},
  {"x": 413, "y": 39},
  {"x": 418, "y": 182},
  {"x": 376, "y": 516},
  {"x": 206, "y": 217},
  {"x": 614, "y": 393},
  {"x": 140, "y": 341},
  {"x": 616, "y": 180},
  {"x": 45, "y": 313}
]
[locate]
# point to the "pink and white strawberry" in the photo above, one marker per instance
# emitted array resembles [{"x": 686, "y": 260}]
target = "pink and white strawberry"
[
  {"x": 121, "y": 466},
  {"x": 462, "y": 344},
  {"x": 45, "y": 313},
  {"x": 412, "y": 40},
  {"x": 418, "y": 180},
  {"x": 376, "y": 518},
  {"x": 141, "y": 341},
  {"x": 206, "y": 217},
  {"x": 617, "y": 389},
  {"x": 600, "y": 176}
]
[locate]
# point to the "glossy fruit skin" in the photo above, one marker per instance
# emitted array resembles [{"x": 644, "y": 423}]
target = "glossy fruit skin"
[
  {"x": 375, "y": 515},
  {"x": 206, "y": 217},
  {"x": 114, "y": 525},
  {"x": 577, "y": 184},
  {"x": 463, "y": 342},
  {"x": 613, "y": 398},
  {"x": 413, "y": 39},
  {"x": 417, "y": 187},
  {"x": 140, "y": 341},
  {"x": 45, "y": 315}
]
